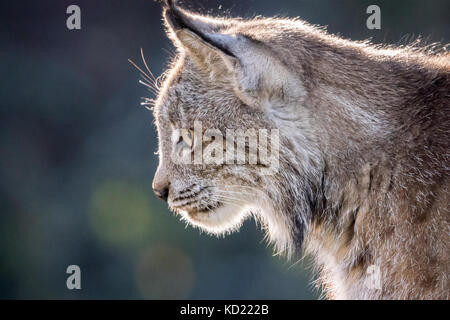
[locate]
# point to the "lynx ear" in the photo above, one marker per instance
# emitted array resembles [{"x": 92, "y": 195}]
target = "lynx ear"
[
  {"x": 256, "y": 73},
  {"x": 196, "y": 34}
]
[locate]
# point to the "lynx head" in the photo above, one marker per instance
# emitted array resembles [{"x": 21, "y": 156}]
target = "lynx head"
[{"x": 231, "y": 74}]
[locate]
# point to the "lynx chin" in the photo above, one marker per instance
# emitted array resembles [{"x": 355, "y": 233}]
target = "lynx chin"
[{"x": 363, "y": 139}]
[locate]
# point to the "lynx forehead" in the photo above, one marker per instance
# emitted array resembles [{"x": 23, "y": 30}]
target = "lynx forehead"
[{"x": 362, "y": 181}]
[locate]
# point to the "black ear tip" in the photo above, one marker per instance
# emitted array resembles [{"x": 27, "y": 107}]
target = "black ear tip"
[
  {"x": 170, "y": 3},
  {"x": 174, "y": 15}
]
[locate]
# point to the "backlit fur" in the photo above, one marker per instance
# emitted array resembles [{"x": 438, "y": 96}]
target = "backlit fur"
[{"x": 364, "y": 148}]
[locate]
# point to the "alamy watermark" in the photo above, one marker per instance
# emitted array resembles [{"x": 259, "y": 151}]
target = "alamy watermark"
[
  {"x": 255, "y": 147},
  {"x": 74, "y": 280},
  {"x": 73, "y": 22},
  {"x": 374, "y": 20}
]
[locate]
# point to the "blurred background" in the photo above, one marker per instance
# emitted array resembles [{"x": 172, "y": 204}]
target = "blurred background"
[{"x": 77, "y": 153}]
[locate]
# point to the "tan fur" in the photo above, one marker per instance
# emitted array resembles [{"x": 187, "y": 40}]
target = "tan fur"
[{"x": 364, "y": 148}]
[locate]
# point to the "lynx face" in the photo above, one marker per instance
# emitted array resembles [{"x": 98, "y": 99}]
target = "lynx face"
[
  {"x": 214, "y": 196},
  {"x": 227, "y": 80}
]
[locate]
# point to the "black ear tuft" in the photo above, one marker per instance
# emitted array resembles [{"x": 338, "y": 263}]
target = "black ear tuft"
[
  {"x": 176, "y": 18},
  {"x": 169, "y": 3}
]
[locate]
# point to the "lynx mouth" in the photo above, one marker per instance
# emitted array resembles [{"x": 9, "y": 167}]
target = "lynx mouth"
[
  {"x": 195, "y": 202},
  {"x": 194, "y": 208},
  {"x": 198, "y": 213},
  {"x": 211, "y": 208},
  {"x": 203, "y": 211}
]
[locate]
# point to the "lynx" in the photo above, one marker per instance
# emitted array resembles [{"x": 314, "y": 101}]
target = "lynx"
[{"x": 364, "y": 139}]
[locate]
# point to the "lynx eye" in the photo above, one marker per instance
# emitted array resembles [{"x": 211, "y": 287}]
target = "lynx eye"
[{"x": 188, "y": 136}]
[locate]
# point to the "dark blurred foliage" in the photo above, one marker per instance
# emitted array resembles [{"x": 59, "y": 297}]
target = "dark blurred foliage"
[{"x": 77, "y": 153}]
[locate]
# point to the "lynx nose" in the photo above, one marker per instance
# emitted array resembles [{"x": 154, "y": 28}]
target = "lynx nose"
[
  {"x": 163, "y": 194},
  {"x": 161, "y": 183}
]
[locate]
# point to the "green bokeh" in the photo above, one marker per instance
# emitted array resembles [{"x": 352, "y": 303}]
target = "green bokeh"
[{"x": 120, "y": 214}]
